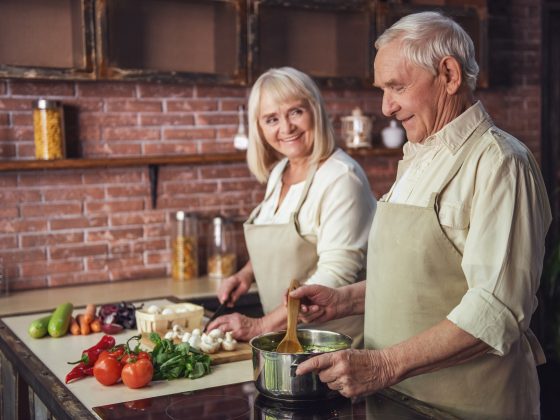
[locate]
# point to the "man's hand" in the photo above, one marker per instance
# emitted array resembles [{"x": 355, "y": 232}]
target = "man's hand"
[{"x": 353, "y": 373}]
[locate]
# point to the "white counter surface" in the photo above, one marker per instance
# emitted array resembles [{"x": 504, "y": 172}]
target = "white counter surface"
[{"x": 56, "y": 352}]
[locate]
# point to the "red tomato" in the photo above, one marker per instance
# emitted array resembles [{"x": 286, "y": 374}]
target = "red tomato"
[
  {"x": 137, "y": 374},
  {"x": 115, "y": 352},
  {"x": 107, "y": 370},
  {"x": 133, "y": 356}
]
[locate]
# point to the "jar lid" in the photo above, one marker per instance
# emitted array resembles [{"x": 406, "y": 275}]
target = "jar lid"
[{"x": 46, "y": 104}]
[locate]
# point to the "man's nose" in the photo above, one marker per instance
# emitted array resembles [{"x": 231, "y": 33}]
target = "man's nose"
[{"x": 389, "y": 107}]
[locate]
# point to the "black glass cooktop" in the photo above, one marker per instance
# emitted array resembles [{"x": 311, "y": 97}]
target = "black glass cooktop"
[{"x": 243, "y": 401}]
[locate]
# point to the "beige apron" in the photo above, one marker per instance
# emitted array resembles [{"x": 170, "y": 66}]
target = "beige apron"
[
  {"x": 278, "y": 254},
  {"x": 414, "y": 280}
]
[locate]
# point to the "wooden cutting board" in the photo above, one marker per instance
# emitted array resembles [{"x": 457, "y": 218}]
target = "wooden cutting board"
[{"x": 242, "y": 352}]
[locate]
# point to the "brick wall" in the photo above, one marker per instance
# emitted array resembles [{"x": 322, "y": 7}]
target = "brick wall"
[{"x": 62, "y": 227}]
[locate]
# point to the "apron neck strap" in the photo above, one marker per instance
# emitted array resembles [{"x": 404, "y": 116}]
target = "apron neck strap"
[{"x": 307, "y": 185}]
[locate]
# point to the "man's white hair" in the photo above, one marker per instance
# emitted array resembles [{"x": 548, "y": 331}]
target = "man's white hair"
[{"x": 427, "y": 37}]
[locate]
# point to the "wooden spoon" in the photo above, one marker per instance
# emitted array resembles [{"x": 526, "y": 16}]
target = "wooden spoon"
[{"x": 290, "y": 342}]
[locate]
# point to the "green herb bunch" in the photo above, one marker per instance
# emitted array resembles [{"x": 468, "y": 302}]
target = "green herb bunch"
[{"x": 173, "y": 361}]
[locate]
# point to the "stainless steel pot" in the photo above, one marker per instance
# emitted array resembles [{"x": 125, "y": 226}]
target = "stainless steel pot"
[{"x": 274, "y": 372}]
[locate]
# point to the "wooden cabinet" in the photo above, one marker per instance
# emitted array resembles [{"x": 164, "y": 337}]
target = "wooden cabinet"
[
  {"x": 47, "y": 39},
  {"x": 209, "y": 41}
]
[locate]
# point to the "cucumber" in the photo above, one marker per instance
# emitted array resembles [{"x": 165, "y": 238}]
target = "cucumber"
[
  {"x": 60, "y": 320},
  {"x": 38, "y": 328}
]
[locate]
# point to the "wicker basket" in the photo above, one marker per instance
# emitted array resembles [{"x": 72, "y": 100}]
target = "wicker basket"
[{"x": 190, "y": 319}]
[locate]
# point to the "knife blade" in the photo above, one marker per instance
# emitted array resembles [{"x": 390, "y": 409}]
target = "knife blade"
[{"x": 216, "y": 314}]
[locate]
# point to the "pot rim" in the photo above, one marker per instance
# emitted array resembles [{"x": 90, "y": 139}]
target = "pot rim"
[{"x": 313, "y": 330}]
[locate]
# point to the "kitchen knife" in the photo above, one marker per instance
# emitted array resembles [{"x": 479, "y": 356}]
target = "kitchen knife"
[{"x": 217, "y": 313}]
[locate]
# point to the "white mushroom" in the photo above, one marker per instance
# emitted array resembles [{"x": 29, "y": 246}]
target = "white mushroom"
[
  {"x": 209, "y": 345},
  {"x": 229, "y": 343},
  {"x": 195, "y": 340},
  {"x": 216, "y": 333},
  {"x": 153, "y": 309},
  {"x": 167, "y": 311},
  {"x": 168, "y": 335},
  {"x": 186, "y": 337}
]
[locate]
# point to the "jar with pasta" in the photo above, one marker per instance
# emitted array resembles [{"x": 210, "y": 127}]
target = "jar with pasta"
[
  {"x": 48, "y": 129},
  {"x": 184, "y": 258},
  {"x": 222, "y": 256}
]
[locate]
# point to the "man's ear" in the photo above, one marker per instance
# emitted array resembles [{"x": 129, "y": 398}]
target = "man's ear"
[{"x": 450, "y": 69}]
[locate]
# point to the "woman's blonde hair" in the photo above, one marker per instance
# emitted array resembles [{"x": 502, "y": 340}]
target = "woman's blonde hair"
[
  {"x": 427, "y": 37},
  {"x": 286, "y": 84}
]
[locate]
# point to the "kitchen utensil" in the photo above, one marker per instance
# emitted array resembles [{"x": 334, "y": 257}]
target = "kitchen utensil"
[
  {"x": 184, "y": 262},
  {"x": 356, "y": 129},
  {"x": 274, "y": 372},
  {"x": 222, "y": 255},
  {"x": 216, "y": 313},
  {"x": 290, "y": 343},
  {"x": 393, "y": 135},
  {"x": 240, "y": 141}
]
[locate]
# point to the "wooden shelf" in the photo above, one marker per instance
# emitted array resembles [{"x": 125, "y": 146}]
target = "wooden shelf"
[{"x": 201, "y": 159}]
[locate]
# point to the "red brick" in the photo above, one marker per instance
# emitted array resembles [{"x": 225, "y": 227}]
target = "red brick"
[
  {"x": 78, "y": 222},
  {"x": 166, "y": 119},
  {"x": 81, "y": 278},
  {"x": 115, "y": 234},
  {"x": 141, "y": 246},
  {"x": 46, "y": 89},
  {"x": 3, "y": 87},
  {"x": 112, "y": 176},
  {"x": 4, "y": 118},
  {"x": 104, "y": 90},
  {"x": 23, "y": 225},
  {"x": 171, "y": 149},
  {"x": 225, "y": 171},
  {"x": 129, "y": 133},
  {"x": 238, "y": 185},
  {"x": 228, "y": 133},
  {"x": 142, "y": 218},
  {"x": 22, "y": 284},
  {"x": 74, "y": 251},
  {"x": 112, "y": 150},
  {"x": 216, "y": 119},
  {"x": 134, "y": 106},
  {"x": 190, "y": 188},
  {"x": 188, "y": 134},
  {"x": 23, "y": 255},
  {"x": 86, "y": 104},
  {"x": 7, "y": 241},
  {"x": 128, "y": 191},
  {"x": 139, "y": 273},
  {"x": 211, "y": 147},
  {"x": 84, "y": 193},
  {"x": 38, "y": 179},
  {"x": 44, "y": 209},
  {"x": 115, "y": 206},
  {"x": 38, "y": 240},
  {"x": 108, "y": 120},
  {"x": 219, "y": 92},
  {"x": 15, "y": 104},
  {"x": 232, "y": 105},
  {"x": 192, "y": 105},
  {"x": 22, "y": 118},
  {"x": 156, "y": 231},
  {"x": 7, "y": 151},
  {"x": 8, "y": 212},
  {"x": 165, "y": 90},
  {"x": 8, "y": 179},
  {"x": 43, "y": 268}
]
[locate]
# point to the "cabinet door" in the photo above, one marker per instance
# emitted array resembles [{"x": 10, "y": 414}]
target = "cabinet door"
[
  {"x": 329, "y": 40},
  {"x": 196, "y": 40},
  {"x": 46, "y": 39}
]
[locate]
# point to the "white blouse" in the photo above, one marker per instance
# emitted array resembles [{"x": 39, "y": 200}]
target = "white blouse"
[{"x": 336, "y": 215}]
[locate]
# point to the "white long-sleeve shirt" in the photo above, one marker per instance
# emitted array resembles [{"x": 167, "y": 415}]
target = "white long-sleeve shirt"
[
  {"x": 496, "y": 213},
  {"x": 336, "y": 216}
]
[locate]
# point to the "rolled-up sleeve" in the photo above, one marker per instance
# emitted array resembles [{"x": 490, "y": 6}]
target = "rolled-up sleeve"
[{"x": 503, "y": 253}]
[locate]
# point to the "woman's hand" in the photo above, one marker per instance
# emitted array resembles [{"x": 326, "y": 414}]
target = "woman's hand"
[
  {"x": 233, "y": 287},
  {"x": 243, "y": 328},
  {"x": 353, "y": 373}
]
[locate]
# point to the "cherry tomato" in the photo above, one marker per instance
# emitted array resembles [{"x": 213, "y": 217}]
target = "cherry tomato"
[
  {"x": 107, "y": 370},
  {"x": 137, "y": 374}
]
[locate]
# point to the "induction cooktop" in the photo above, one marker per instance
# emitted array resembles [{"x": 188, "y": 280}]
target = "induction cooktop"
[{"x": 243, "y": 401}]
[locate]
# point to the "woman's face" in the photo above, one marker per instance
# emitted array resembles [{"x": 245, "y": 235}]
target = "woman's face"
[{"x": 287, "y": 127}]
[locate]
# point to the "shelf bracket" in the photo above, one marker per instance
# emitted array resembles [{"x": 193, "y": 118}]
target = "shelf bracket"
[{"x": 153, "y": 171}]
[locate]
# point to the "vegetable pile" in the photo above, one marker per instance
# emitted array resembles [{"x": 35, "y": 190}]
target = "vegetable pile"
[
  {"x": 172, "y": 361},
  {"x": 116, "y": 317}
]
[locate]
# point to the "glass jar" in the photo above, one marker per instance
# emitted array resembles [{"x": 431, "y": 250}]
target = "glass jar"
[
  {"x": 222, "y": 256},
  {"x": 48, "y": 128},
  {"x": 184, "y": 258}
]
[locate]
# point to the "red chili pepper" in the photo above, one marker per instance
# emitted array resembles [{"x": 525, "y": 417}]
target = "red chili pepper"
[
  {"x": 81, "y": 370},
  {"x": 89, "y": 356}
]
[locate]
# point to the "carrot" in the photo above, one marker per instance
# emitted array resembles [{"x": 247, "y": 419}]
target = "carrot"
[
  {"x": 84, "y": 326},
  {"x": 95, "y": 325},
  {"x": 90, "y": 313},
  {"x": 74, "y": 327}
]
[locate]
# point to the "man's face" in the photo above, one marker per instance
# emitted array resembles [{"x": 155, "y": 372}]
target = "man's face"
[{"x": 411, "y": 94}]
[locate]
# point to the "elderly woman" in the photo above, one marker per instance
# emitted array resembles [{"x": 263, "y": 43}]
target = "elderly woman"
[
  {"x": 456, "y": 249},
  {"x": 318, "y": 207}
]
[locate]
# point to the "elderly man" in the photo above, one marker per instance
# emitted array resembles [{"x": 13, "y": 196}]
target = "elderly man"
[{"x": 456, "y": 247}]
